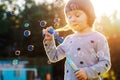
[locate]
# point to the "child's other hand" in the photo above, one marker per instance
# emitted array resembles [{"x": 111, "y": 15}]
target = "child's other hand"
[
  {"x": 48, "y": 36},
  {"x": 81, "y": 74}
]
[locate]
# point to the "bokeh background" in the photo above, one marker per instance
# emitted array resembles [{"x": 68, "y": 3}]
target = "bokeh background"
[{"x": 17, "y": 62}]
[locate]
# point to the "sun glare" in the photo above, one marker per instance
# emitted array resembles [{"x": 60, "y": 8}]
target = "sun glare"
[
  {"x": 41, "y": 1},
  {"x": 66, "y": 0},
  {"x": 101, "y": 6},
  {"x": 105, "y": 6}
]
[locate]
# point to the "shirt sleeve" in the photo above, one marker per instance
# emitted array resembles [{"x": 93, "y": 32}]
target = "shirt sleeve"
[
  {"x": 104, "y": 62},
  {"x": 54, "y": 53}
]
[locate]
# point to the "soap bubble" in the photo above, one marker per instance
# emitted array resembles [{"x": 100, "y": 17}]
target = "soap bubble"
[
  {"x": 30, "y": 47},
  {"x": 26, "y": 25},
  {"x": 48, "y": 62},
  {"x": 17, "y": 52},
  {"x": 12, "y": 12},
  {"x": 56, "y": 25},
  {"x": 43, "y": 23},
  {"x": 59, "y": 3},
  {"x": 27, "y": 33},
  {"x": 56, "y": 20},
  {"x": 15, "y": 62}
]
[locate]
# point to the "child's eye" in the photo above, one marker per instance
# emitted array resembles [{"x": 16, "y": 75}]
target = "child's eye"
[{"x": 77, "y": 15}]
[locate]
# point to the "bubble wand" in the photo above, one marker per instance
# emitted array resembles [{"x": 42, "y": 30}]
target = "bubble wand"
[{"x": 72, "y": 65}]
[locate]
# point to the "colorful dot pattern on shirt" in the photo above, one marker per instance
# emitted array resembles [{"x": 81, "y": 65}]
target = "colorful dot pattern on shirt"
[
  {"x": 81, "y": 62},
  {"x": 67, "y": 71},
  {"x": 78, "y": 49},
  {"x": 99, "y": 73},
  {"x": 46, "y": 45},
  {"x": 106, "y": 65},
  {"x": 92, "y": 41}
]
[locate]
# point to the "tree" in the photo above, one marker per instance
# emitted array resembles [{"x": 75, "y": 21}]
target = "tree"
[{"x": 110, "y": 26}]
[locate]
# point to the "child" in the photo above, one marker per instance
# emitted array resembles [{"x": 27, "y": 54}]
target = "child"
[{"x": 87, "y": 48}]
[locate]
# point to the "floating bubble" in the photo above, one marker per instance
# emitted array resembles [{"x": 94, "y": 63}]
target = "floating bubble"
[
  {"x": 26, "y": 25},
  {"x": 56, "y": 20},
  {"x": 12, "y": 13},
  {"x": 58, "y": 3},
  {"x": 48, "y": 62},
  {"x": 100, "y": 54},
  {"x": 43, "y": 23},
  {"x": 56, "y": 34},
  {"x": 80, "y": 54},
  {"x": 56, "y": 25},
  {"x": 51, "y": 31},
  {"x": 17, "y": 52},
  {"x": 30, "y": 47},
  {"x": 27, "y": 33},
  {"x": 15, "y": 62},
  {"x": 60, "y": 39}
]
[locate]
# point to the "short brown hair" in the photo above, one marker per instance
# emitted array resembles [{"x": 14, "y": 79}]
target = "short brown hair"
[{"x": 84, "y": 5}]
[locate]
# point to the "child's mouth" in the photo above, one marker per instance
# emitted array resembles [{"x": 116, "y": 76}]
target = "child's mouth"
[{"x": 75, "y": 25}]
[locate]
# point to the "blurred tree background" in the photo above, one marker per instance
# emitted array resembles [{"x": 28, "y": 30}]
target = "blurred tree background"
[{"x": 13, "y": 16}]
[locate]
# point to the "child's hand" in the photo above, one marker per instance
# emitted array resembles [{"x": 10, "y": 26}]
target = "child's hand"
[
  {"x": 48, "y": 36},
  {"x": 81, "y": 74}
]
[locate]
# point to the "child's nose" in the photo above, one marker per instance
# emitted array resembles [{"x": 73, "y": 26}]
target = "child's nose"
[{"x": 73, "y": 19}]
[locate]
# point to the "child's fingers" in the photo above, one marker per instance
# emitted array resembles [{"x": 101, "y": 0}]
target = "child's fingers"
[
  {"x": 80, "y": 76},
  {"x": 47, "y": 35},
  {"x": 45, "y": 31},
  {"x": 48, "y": 28}
]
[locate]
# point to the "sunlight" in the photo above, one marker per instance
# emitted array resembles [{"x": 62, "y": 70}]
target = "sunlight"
[
  {"x": 101, "y": 6},
  {"x": 66, "y": 1},
  {"x": 105, "y": 6},
  {"x": 41, "y": 1}
]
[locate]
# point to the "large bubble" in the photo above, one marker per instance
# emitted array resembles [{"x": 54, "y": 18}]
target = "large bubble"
[
  {"x": 17, "y": 52},
  {"x": 56, "y": 20},
  {"x": 15, "y": 62},
  {"x": 26, "y": 25},
  {"x": 27, "y": 33},
  {"x": 56, "y": 25},
  {"x": 12, "y": 13},
  {"x": 43, "y": 23},
  {"x": 58, "y": 3},
  {"x": 30, "y": 47},
  {"x": 48, "y": 62}
]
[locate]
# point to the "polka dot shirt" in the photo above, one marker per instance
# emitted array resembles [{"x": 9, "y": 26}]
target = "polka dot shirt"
[{"x": 88, "y": 51}]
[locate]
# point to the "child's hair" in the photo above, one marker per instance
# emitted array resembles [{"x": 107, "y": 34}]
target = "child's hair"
[{"x": 84, "y": 5}]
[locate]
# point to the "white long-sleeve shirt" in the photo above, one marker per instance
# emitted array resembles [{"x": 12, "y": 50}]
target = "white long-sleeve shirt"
[{"x": 88, "y": 51}]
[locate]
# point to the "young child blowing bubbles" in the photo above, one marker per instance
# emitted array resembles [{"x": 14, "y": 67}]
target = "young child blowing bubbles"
[{"x": 87, "y": 48}]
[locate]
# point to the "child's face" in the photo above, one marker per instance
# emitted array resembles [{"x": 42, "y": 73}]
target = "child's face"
[{"x": 77, "y": 20}]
